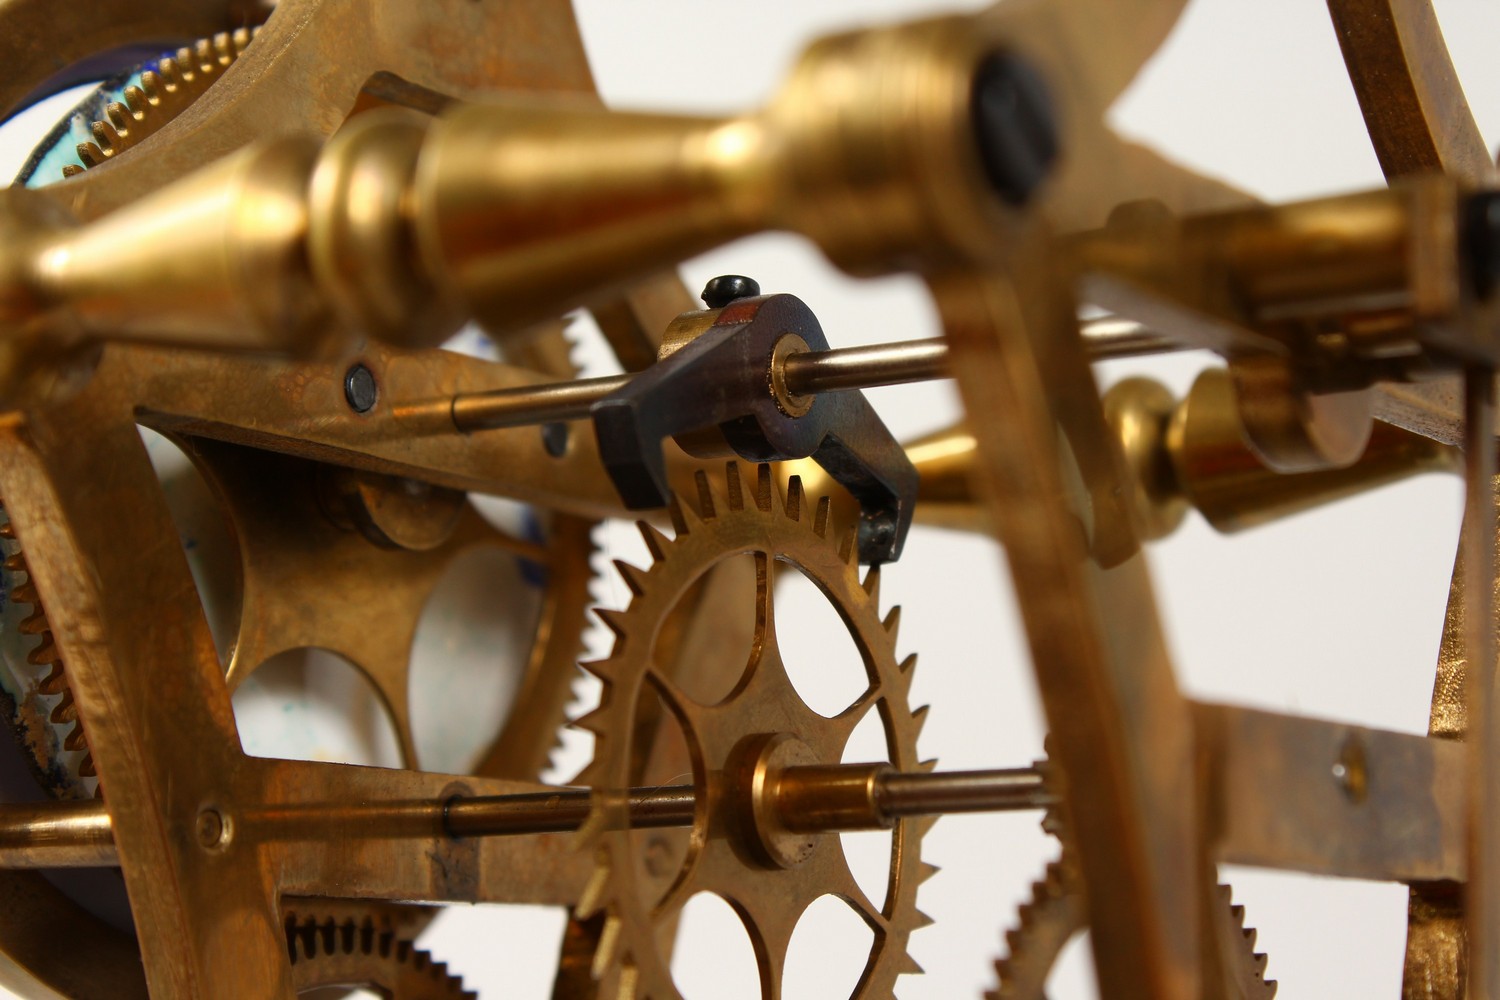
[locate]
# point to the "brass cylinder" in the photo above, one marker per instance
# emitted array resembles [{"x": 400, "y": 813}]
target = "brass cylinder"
[
  {"x": 56, "y": 835},
  {"x": 216, "y": 260},
  {"x": 831, "y": 797}
]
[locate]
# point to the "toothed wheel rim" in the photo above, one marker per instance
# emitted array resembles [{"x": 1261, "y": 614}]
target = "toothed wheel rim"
[
  {"x": 769, "y": 899},
  {"x": 333, "y": 952},
  {"x": 1056, "y": 913}
]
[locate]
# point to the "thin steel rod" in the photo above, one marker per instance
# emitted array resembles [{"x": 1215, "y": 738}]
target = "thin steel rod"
[
  {"x": 79, "y": 835},
  {"x": 839, "y": 370},
  {"x": 1478, "y": 555},
  {"x": 900, "y": 795},
  {"x": 867, "y": 367},
  {"x": 562, "y": 811}
]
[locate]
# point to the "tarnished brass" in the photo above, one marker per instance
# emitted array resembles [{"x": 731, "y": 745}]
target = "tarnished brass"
[{"x": 365, "y": 176}]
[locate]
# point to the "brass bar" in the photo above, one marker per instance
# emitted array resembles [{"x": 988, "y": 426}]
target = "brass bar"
[
  {"x": 843, "y": 369},
  {"x": 855, "y": 797},
  {"x": 57, "y": 835},
  {"x": 1326, "y": 798},
  {"x": 1478, "y": 552}
]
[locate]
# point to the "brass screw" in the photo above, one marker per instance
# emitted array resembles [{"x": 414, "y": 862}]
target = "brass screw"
[
  {"x": 1351, "y": 770},
  {"x": 211, "y": 828}
]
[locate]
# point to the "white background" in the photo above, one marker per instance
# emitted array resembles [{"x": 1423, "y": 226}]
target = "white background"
[{"x": 1334, "y": 614}]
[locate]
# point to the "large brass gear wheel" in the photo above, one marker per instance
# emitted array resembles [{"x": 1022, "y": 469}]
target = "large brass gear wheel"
[{"x": 768, "y": 875}]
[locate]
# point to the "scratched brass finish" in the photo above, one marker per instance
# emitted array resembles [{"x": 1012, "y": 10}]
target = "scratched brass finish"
[{"x": 370, "y": 174}]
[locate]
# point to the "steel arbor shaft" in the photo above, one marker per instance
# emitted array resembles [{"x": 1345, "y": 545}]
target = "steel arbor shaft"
[
  {"x": 809, "y": 373},
  {"x": 840, "y": 797}
]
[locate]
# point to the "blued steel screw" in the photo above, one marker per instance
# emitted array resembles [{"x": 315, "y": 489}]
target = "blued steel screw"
[
  {"x": 1014, "y": 125},
  {"x": 359, "y": 389},
  {"x": 724, "y": 289}
]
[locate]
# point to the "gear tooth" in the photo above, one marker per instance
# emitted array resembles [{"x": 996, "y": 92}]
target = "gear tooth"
[
  {"x": 203, "y": 55},
  {"x": 119, "y": 116},
  {"x": 926, "y": 872},
  {"x": 89, "y": 154},
  {"x": 594, "y": 893},
  {"x": 765, "y": 490},
  {"x": 611, "y": 938},
  {"x": 849, "y": 548},
  {"x": 595, "y": 721},
  {"x": 25, "y": 593},
  {"x": 106, "y": 136},
  {"x": 909, "y": 665},
  {"x": 796, "y": 498},
  {"x": 71, "y": 170},
  {"x": 919, "y": 719},
  {"x": 684, "y": 518},
  {"x": 170, "y": 72},
  {"x": 634, "y": 576},
  {"x": 76, "y": 740},
  {"x": 595, "y": 668},
  {"x": 892, "y": 622},
  {"x": 56, "y": 681},
  {"x": 44, "y": 654},
  {"x": 705, "y": 496},
  {"x": 16, "y": 563},
  {"x": 734, "y": 492},
  {"x": 152, "y": 86},
  {"x": 241, "y": 37},
  {"x": 8, "y": 529},
  {"x": 630, "y": 983},
  {"x": 921, "y": 920},
  {"x": 86, "y": 767},
  {"x": 137, "y": 101},
  {"x": 613, "y": 620},
  {"x": 820, "y": 517},
  {"x": 66, "y": 709},
  {"x": 223, "y": 47},
  {"x": 872, "y": 585},
  {"x": 593, "y": 828},
  {"x": 929, "y": 764},
  {"x": 909, "y": 966},
  {"x": 656, "y": 542},
  {"x": 589, "y": 776}
]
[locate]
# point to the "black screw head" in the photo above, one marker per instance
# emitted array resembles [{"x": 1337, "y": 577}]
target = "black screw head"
[
  {"x": 1479, "y": 242},
  {"x": 1014, "y": 125},
  {"x": 360, "y": 390},
  {"x": 724, "y": 289},
  {"x": 555, "y": 439}
]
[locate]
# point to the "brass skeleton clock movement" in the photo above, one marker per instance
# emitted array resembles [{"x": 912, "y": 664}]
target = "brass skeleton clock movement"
[{"x": 252, "y": 245}]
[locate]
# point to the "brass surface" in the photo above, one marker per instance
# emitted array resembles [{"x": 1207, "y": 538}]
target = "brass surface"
[
  {"x": 290, "y": 227},
  {"x": 743, "y": 746}
]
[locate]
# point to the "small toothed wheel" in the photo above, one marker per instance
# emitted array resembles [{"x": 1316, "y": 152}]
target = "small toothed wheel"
[
  {"x": 1055, "y": 913},
  {"x": 330, "y": 951},
  {"x": 766, "y": 872}
]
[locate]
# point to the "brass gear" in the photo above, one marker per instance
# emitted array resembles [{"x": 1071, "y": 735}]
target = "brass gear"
[
  {"x": 769, "y": 894},
  {"x": 360, "y": 951},
  {"x": 47, "y": 735},
  {"x": 1056, "y": 912},
  {"x": 165, "y": 91}
]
